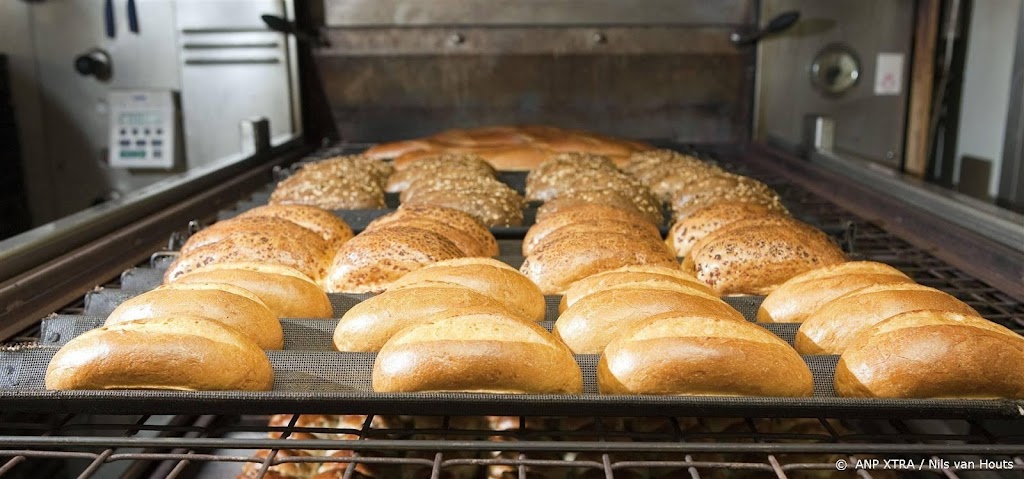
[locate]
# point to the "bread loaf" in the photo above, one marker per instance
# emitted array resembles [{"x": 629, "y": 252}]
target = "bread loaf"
[
  {"x": 179, "y": 353},
  {"x": 797, "y": 299},
  {"x": 650, "y": 277},
  {"x": 252, "y": 226},
  {"x": 494, "y": 206},
  {"x": 329, "y": 192},
  {"x": 286, "y": 291},
  {"x": 933, "y": 354},
  {"x": 595, "y": 320},
  {"x": 439, "y": 165},
  {"x": 225, "y": 303},
  {"x": 371, "y": 323},
  {"x": 681, "y": 354},
  {"x": 686, "y": 233},
  {"x": 642, "y": 203},
  {"x": 476, "y": 352},
  {"x": 490, "y": 277},
  {"x": 268, "y": 247},
  {"x": 719, "y": 188},
  {"x": 558, "y": 264},
  {"x": 833, "y": 326},
  {"x": 580, "y": 213},
  {"x": 331, "y": 228},
  {"x": 756, "y": 256},
  {"x": 372, "y": 260},
  {"x": 350, "y": 166},
  {"x": 565, "y": 171},
  {"x": 484, "y": 243},
  {"x": 639, "y": 230}
]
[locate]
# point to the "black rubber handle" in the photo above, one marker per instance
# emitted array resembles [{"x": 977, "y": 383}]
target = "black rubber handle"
[
  {"x": 108, "y": 19},
  {"x": 780, "y": 23},
  {"x": 279, "y": 24},
  {"x": 133, "y": 17}
]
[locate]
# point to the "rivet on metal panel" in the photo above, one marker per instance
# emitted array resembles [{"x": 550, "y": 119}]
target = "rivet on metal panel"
[
  {"x": 599, "y": 38},
  {"x": 456, "y": 39}
]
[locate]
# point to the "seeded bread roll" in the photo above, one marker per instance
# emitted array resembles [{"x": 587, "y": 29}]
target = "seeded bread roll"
[
  {"x": 353, "y": 166},
  {"x": 286, "y": 291},
  {"x": 558, "y": 264},
  {"x": 833, "y": 326},
  {"x": 639, "y": 230},
  {"x": 476, "y": 352},
  {"x": 595, "y": 320},
  {"x": 682, "y": 354},
  {"x": 179, "y": 353},
  {"x": 933, "y": 354},
  {"x": 487, "y": 276},
  {"x": 797, "y": 299},
  {"x": 331, "y": 228},
  {"x": 254, "y": 225},
  {"x": 373, "y": 260},
  {"x": 756, "y": 256},
  {"x": 580, "y": 213},
  {"x": 371, "y": 323},
  {"x": 225, "y": 303},
  {"x": 460, "y": 181},
  {"x": 686, "y": 233},
  {"x": 267, "y": 246},
  {"x": 492, "y": 206},
  {"x": 329, "y": 192},
  {"x": 652, "y": 277},
  {"x": 719, "y": 188},
  {"x": 566, "y": 170},
  {"x": 439, "y": 165},
  {"x": 651, "y": 165},
  {"x": 644, "y": 204},
  {"x": 469, "y": 226}
]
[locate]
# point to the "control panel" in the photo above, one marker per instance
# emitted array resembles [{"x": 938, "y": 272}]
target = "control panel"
[{"x": 143, "y": 128}]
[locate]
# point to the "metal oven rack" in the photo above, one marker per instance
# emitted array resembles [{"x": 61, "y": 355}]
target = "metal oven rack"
[{"x": 85, "y": 445}]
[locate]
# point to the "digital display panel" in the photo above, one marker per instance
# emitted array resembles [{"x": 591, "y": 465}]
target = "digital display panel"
[{"x": 139, "y": 118}]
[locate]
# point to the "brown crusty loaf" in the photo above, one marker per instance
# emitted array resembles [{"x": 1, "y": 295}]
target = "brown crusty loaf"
[
  {"x": 656, "y": 277},
  {"x": 722, "y": 187},
  {"x": 756, "y": 256},
  {"x": 686, "y": 233},
  {"x": 679, "y": 353},
  {"x": 268, "y": 246},
  {"x": 261, "y": 225},
  {"x": 577, "y": 214},
  {"x": 177, "y": 353},
  {"x": 373, "y": 260},
  {"x": 331, "y": 228},
  {"x": 933, "y": 354},
  {"x": 833, "y": 326},
  {"x": 354, "y": 166},
  {"x": 666, "y": 172},
  {"x": 475, "y": 351},
  {"x": 371, "y": 323},
  {"x": 571, "y": 170},
  {"x": 493, "y": 206},
  {"x": 225, "y": 303},
  {"x": 557, "y": 264},
  {"x": 459, "y": 181},
  {"x": 480, "y": 240},
  {"x": 595, "y": 320},
  {"x": 286, "y": 291},
  {"x": 797, "y": 299},
  {"x": 439, "y": 165},
  {"x": 487, "y": 276},
  {"x": 639, "y": 230},
  {"x": 644, "y": 204},
  {"x": 329, "y": 192}
]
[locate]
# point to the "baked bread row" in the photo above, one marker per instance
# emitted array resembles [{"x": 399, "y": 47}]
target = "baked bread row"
[{"x": 339, "y": 183}]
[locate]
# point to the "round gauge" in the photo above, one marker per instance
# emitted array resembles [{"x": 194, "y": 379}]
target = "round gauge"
[{"x": 835, "y": 70}]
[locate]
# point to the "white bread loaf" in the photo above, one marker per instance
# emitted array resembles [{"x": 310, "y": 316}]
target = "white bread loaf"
[
  {"x": 651, "y": 277},
  {"x": 286, "y": 291}
]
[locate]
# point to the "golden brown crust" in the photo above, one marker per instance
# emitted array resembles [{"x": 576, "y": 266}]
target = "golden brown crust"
[
  {"x": 656, "y": 277},
  {"x": 686, "y": 233},
  {"x": 476, "y": 352},
  {"x": 392, "y": 150},
  {"x": 493, "y": 206},
  {"x": 797, "y": 299},
  {"x": 225, "y": 303},
  {"x": 933, "y": 354},
  {"x": 565, "y": 171},
  {"x": 644, "y": 204},
  {"x": 331, "y": 228},
  {"x": 329, "y": 192},
  {"x": 178, "y": 353},
  {"x": 756, "y": 256},
  {"x": 448, "y": 216},
  {"x": 558, "y": 264},
  {"x": 595, "y": 320},
  {"x": 372, "y": 260},
  {"x": 439, "y": 165},
  {"x": 350, "y": 166},
  {"x": 579, "y": 213},
  {"x": 371, "y": 323},
  {"x": 722, "y": 187},
  {"x": 286, "y": 291},
  {"x": 639, "y": 230},
  {"x": 310, "y": 258},
  {"x": 832, "y": 328},
  {"x": 682, "y": 354},
  {"x": 487, "y": 276},
  {"x": 262, "y": 225}
]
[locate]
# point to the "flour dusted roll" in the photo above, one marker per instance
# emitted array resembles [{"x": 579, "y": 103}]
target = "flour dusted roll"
[
  {"x": 833, "y": 326},
  {"x": 459, "y": 220},
  {"x": 286, "y": 291},
  {"x": 372, "y": 260},
  {"x": 221, "y": 302},
  {"x": 681, "y": 354},
  {"x": 178, "y": 353},
  {"x": 268, "y": 247},
  {"x": 332, "y": 229},
  {"x": 638, "y": 230},
  {"x": 650, "y": 277},
  {"x": 592, "y": 322},
  {"x": 685, "y": 233},
  {"x": 933, "y": 354},
  {"x": 558, "y": 264},
  {"x": 476, "y": 352},
  {"x": 487, "y": 276},
  {"x": 756, "y": 256},
  {"x": 371, "y": 323},
  {"x": 797, "y": 299},
  {"x": 253, "y": 226}
]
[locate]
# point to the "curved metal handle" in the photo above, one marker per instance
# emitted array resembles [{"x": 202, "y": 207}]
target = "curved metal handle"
[{"x": 780, "y": 23}]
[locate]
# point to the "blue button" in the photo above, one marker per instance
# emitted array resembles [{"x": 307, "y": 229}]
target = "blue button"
[
  {"x": 141, "y": 143},
  {"x": 126, "y": 143},
  {"x": 157, "y": 143}
]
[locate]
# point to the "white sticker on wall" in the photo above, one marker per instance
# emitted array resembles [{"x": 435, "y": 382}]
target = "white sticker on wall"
[{"x": 889, "y": 74}]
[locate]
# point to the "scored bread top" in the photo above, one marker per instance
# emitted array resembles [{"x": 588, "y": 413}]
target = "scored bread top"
[{"x": 331, "y": 228}]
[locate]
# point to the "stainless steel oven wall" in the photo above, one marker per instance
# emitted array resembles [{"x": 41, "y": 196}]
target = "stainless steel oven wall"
[
  {"x": 653, "y": 69},
  {"x": 870, "y": 116}
]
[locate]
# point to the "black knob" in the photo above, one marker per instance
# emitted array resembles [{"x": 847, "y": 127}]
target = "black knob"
[{"x": 94, "y": 63}]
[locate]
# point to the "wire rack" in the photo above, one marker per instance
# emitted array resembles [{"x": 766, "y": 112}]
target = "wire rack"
[{"x": 547, "y": 447}]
